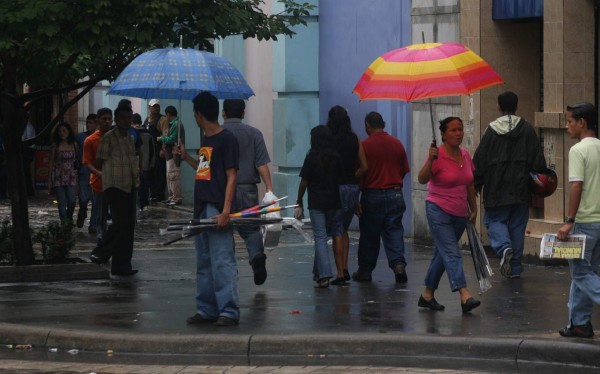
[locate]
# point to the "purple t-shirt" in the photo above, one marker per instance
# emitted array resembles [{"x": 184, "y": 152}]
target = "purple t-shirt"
[{"x": 449, "y": 182}]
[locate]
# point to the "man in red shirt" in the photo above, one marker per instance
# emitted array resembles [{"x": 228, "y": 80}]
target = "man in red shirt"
[
  {"x": 382, "y": 204},
  {"x": 90, "y": 149}
]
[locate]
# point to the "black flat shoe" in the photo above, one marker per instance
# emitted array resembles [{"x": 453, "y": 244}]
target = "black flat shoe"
[
  {"x": 97, "y": 259},
  {"x": 126, "y": 273},
  {"x": 339, "y": 282},
  {"x": 431, "y": 304},
  {"x": 469, "y": 305}
]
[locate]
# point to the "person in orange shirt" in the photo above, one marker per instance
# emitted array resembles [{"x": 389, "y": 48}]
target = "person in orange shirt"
[{"x": 90, "y": 149}]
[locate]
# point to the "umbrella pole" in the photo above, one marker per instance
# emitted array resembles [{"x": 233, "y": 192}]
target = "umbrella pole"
[{"x": 433, "y": 142}]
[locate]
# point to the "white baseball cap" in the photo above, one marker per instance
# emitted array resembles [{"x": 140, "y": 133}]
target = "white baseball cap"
[{"x": 154, "y": 102}]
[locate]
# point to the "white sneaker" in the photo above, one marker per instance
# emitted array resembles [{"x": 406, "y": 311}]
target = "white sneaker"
[{"x": 505, "y": 267}]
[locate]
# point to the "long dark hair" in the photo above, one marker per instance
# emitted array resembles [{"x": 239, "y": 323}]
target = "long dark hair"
[
  {"x": 340, "y": 125},
  {"x": 56, "y": 137},
  {"x": 321, "y": 145}
]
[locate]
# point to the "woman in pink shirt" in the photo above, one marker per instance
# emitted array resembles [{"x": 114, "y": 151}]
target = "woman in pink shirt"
[{"x": 448, "y": 172}]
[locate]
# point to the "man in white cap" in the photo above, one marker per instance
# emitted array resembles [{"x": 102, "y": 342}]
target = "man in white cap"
[{"x": 154, "y": 123}]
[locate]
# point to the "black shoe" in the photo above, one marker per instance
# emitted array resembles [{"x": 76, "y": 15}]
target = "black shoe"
[
  {"x": 577, "y": 331},
  {"x": 469, "y": 305},
  {"x": 400, "y": 273},
  {"x": 98, "y": 260},
  {"x": 197, "y": 319},
  {"x": 126, "y": 273},
  {"x": 361, "y": 277},
  {"x": 80, "y": 222},
  {"x": 505, "y": 268},
  {"x": 339, "y": 282},
  {"x": 431, "y": 304},
  {"x": 346, "y": 275},
  {"x": 226, "y": 321},
  {"x": 258, "y": 267}
]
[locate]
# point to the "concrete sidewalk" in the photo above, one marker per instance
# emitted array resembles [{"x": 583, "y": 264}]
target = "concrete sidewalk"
[{"x": 287, "y": 321}]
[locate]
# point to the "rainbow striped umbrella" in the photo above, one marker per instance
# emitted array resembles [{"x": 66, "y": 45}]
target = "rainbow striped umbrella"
[{"x": 427, "y": 70}]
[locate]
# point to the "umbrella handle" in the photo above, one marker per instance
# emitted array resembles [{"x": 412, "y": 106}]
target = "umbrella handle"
[{"x": 434, "y": 145}]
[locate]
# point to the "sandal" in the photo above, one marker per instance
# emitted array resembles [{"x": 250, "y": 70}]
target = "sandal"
[
  {"x": 322, "y": 283},
  {"x": 339, "y": 282}
]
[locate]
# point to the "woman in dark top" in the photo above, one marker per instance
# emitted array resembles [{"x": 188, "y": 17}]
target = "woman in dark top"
[
  {"x": 321, "y": 173},
  {"x": 354, "y": 165}
]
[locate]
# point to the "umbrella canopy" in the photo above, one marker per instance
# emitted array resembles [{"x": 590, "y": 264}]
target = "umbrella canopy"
[
  {"x": 427, "y": 70},
  {"x": 175, "y": 73}
]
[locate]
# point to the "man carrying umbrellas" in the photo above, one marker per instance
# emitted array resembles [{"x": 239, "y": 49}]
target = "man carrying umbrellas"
[
  {"x": 254, "y": 160},
  {"x": 508, "y": 152},
  {"x": 217, "y": 298},
  {"x": 382, "y": 204}
]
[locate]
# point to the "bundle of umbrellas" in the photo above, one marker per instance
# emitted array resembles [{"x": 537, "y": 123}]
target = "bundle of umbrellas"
[
  {"x": 483, "y": 269},
  {"x": 246, "y": 217}
]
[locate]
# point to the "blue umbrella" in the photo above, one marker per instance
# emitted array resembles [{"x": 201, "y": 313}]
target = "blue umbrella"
[{"x": 180, "y": 74}]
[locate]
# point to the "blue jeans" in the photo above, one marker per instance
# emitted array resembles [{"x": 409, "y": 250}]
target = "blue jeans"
[
  {"x": 99, "y": 214},
  {"x": 585, "y": 284},
  {"x": 66, "y": 197},
  {"x": 381, "y": 219},
  {"x": 343, "y": 217},
  {"x": 321, "y": 225},
  {"x": 216, "y": 271},
  {"x": 506, "y": 229},
  {"x": 446, "y": 231},
  {"x": 85, "y": 196},
  {"x": 246, "y": 196}
]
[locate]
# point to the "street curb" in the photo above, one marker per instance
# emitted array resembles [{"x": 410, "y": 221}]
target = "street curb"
[{"x": 322, "y": 349}]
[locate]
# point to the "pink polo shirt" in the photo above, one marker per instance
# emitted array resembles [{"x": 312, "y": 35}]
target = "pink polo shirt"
[{"x": 449, "y": 181}]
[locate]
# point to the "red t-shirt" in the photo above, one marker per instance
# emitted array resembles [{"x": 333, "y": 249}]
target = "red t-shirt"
[
  {"x": 90, "y": 149},
  {"x": 386, "y": 159}
]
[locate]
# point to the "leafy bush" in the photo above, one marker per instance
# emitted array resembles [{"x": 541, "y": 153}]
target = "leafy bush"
[
  {"x": 57, "y": 241},
  {"x": 7, "y": 249}
]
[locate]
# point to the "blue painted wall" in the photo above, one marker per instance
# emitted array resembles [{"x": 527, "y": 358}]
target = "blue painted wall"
[{"x": 353, "y": 33}]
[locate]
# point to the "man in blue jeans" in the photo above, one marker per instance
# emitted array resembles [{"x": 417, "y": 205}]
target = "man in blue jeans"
[
  {"x": 217, "y": 299},
  {"x": 509, "y": 150},
  {"x": 85, "y": 190},
  {"x": 382, "y": 204},
  {"x": 254, "y": 166},
  {"x": 583, "y": 217}
]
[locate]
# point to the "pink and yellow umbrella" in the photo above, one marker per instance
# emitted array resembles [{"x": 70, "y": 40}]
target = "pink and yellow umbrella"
[
  {"x": 423, "y": 71},
  {"x": 427, "y": 70}
]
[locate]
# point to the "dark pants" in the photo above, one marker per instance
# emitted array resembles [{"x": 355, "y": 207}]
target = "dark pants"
[
  {"x": 246, "y": 196},
  {"x": 144, "y": 191},
  {"x": 159, "y": 180},
  {"x": 117, "y": 241}
]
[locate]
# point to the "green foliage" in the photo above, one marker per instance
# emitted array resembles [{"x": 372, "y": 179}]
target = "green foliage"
[
  {"x": 57, "y": 241},
  {"x": 56, "y": 43},
  {"x": 7, "y": 249}
]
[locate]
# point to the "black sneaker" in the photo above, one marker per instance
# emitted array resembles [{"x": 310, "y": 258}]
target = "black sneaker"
[
  {"x": 577, "y": 331},
  {"x": 226, "y": 321},
  {"x": 80, "y": 222},
  {"x": 505, "y": 268},
  {"x": 258, "y": 267},
  {"x": 361, "y": 277},
  {"x": 400, "y": 273},
  {"x": 197, "y": 319}
]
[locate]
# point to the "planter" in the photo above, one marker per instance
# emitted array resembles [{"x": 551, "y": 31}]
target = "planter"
[{"x": 52, "y": 273}]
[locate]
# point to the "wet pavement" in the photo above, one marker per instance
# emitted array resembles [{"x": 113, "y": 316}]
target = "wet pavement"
[{"x": 381, "y": 315}]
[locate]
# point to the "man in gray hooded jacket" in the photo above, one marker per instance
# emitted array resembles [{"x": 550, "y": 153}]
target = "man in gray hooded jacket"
[{"x": 509, "y": 150}]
